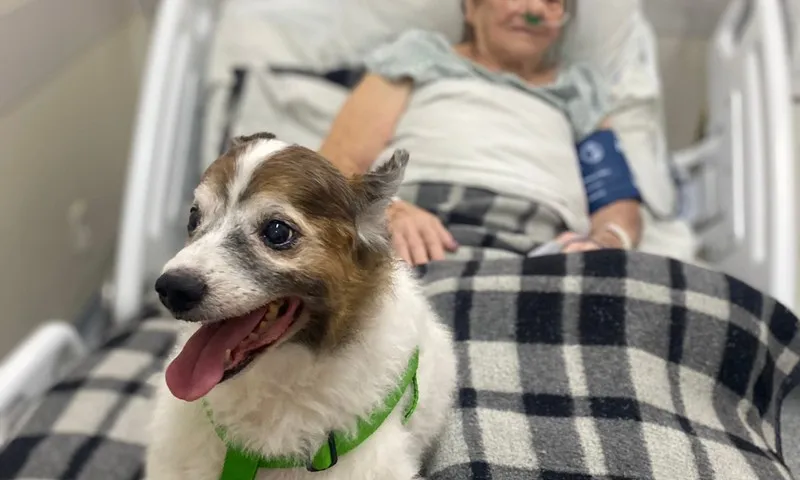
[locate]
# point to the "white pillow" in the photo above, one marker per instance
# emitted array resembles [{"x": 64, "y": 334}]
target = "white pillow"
[{"x": 323, "y": 34}]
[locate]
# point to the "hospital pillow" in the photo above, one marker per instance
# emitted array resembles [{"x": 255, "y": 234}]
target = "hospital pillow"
[
  {"x": 324, "y": 34},
  {"x": 611, "y": 35}
]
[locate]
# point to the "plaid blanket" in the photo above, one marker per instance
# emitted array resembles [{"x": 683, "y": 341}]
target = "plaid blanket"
[
  {"x": 604, "y": 365},
  {"x": 612, "y": 365},
  {"x": 488, "y": 224}
]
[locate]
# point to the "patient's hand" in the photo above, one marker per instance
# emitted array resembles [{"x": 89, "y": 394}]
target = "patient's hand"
[
  {"x": 417, "y": 235},
  {"x": 573, "y": 242}
]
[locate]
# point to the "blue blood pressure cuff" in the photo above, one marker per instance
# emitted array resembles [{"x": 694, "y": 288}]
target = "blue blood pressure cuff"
[{"x": 607, "y": 177}]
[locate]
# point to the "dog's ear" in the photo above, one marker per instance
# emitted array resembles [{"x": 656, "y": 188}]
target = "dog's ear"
[
  {"x": 242, "y": 139},
  {"x": 375, "y": 191},
  {"x": 381, "y": 184}
]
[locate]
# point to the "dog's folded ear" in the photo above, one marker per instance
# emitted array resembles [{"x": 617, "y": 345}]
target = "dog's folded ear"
[
  {"x": 375, "y": 191},
  {"x": 381, "y": 184},
  {"x": 242, "y": 139}
]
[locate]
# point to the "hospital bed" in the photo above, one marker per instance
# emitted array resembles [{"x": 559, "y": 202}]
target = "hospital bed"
[{"x": 736, "y": 187}]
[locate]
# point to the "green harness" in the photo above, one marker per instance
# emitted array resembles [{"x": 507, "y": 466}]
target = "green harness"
[{"x": 243, "y": 465}]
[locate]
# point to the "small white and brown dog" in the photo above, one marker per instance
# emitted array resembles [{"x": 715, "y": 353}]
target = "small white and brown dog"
[{"x": 309, "y": 350}]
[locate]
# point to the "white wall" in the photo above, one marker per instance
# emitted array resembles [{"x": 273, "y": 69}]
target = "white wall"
[{"x": 68, "y": 89}]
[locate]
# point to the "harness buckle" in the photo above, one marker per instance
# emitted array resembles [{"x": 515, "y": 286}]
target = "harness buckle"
[{"x": 334, "y": 456}]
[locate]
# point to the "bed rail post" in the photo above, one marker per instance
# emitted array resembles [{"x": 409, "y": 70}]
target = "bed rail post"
[
  {"x": 166, "y": 147},
  {"x": 749, "y": 153}
]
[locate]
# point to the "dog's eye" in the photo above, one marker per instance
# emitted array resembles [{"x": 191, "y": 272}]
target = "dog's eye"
[
  {"x": 278, "y": 234},
  {"x": 194, "y": 220}
]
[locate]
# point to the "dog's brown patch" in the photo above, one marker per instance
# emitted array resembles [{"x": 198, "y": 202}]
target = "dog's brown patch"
[
  {"x": 219, "y": 175},
  {"x": 353, "y": 273},
  {"x": 307, "y": 181}
]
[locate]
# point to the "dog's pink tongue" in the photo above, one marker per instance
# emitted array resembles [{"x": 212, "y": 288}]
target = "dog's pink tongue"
[{"x": 201, "y": 363}]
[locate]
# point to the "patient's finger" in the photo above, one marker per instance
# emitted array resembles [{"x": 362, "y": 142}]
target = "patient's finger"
[
  {"x": 434, "y": 243},
  {"x": 446, "y": 237},
  {"x": 581, "y": 246},
  {"x": 573, "y": 247},
  {"x": 419, "y": 254},
  {"x": 566, "y": 237},
  {"x": 401, "y": 247}
]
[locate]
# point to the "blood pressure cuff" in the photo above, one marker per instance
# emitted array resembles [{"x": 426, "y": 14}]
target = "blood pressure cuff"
[{"x": 607, "y": 177}]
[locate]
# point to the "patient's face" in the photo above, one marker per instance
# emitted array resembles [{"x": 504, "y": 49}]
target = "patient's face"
[{"x": 501, "y": 25}]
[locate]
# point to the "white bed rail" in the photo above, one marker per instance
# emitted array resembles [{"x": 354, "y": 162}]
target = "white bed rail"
[
  {"x": 33, "y": 367},
  {"x": 165, "y": 148},
  {"x": 742, "y": 177}
]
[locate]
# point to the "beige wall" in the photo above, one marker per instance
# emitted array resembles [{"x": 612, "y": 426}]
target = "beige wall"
[
  {"x": 794, "y": 6},
  {"x": 797, "y": 176},
  {"x": 683, "y": 28},
  {"x": 66, "y": 115},
  {"x": 683, "y": 72}
]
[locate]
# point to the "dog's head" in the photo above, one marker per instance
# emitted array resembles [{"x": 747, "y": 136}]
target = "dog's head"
[{"x": 281, "y": 248}]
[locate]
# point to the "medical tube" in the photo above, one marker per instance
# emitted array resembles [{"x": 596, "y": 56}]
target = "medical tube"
[{"x": 539, "y": 21}]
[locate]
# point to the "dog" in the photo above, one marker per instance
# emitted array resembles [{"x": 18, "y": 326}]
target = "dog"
[{"x": 299, "y": 321}]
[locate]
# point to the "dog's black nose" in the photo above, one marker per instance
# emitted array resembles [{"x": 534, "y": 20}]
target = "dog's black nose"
[{"x": 181, "y": 290}]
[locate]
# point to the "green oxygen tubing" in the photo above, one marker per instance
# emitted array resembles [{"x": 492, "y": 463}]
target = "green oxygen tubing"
[
  {"x": 538, "y": 20},
  {"x": 532, "y": 19}
]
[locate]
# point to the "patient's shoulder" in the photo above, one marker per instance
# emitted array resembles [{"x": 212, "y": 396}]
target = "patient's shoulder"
[
  {"x": 420, "y": 55},
  {"x": 584, "y": 96}
]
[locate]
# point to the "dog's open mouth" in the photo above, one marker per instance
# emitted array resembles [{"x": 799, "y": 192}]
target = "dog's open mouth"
[{"x": 220, "y": 350}]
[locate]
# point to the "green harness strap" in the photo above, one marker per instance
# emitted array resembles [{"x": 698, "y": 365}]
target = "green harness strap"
[{"x": 243, "y": 465}]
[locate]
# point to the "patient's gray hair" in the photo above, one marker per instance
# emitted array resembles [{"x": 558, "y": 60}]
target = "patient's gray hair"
[{"x": 553, "y": 55}]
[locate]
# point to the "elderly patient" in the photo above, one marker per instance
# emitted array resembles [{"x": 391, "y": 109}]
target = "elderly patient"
[{"x": 505, "y": 143}]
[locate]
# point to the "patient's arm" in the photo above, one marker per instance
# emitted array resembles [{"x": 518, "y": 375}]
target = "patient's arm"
[
  {"x": 363, "y": 128},
  {"x": 365, "y": 124},
  {"x": 614, "y": 199}
]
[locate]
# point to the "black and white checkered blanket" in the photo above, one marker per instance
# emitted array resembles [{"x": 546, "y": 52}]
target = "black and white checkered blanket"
[{"x": 604, "y": 365}]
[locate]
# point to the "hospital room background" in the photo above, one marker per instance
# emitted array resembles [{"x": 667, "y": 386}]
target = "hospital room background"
[{"x": 72, "y": 80}]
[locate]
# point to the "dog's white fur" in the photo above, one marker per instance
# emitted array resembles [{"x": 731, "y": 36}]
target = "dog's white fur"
[{"x": 289, "y": 398}]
